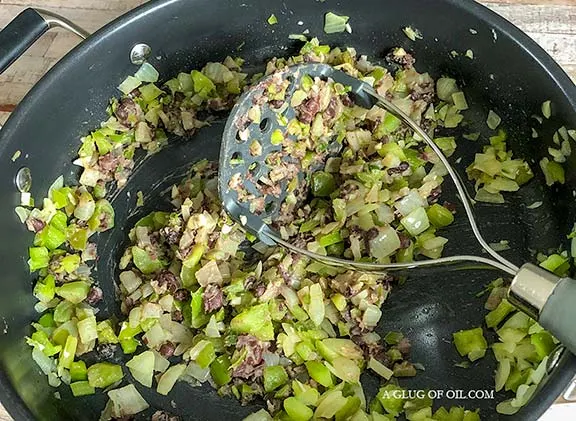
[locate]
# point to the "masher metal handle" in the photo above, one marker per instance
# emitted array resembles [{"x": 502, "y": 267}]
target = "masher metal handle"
[
  {"x": 366, "y": 96},
  {"x": 541, "y": 294}
]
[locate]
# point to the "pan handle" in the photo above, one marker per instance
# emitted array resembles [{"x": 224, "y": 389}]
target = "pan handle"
[{"x": 26, "y": 28}]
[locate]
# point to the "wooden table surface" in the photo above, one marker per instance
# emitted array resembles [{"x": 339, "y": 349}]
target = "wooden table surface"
[{"x": 552, "y": 23}]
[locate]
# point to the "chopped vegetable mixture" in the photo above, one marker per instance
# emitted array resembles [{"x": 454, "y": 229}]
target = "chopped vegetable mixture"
[{"x": 204, "y": 301}]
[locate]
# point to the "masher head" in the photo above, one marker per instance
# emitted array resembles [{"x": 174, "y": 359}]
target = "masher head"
[
  {"x": 257, "y": 171},
  {"x": 252, "y": 158}
]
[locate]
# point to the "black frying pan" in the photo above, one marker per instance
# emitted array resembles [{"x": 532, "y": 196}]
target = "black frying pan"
[{"x": 510, "y": 74}]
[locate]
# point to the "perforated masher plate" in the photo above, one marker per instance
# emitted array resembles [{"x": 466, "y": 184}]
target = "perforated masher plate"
[{"x": 236, "y": 159}]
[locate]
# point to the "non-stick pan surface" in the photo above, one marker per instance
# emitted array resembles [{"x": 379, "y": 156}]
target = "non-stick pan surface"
[{"x": 509, "y": 74}]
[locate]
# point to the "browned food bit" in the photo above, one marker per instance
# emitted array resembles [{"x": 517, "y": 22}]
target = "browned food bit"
[
  {"x": 34, "y": 224},
  {"x": 213, "y": 298},
  {"x": 129, "y": 112},
  {"x": 168, "y": 280},
  {"x": 253, "y": 364},
  {"x": 94, "y": 296},
  {"x": 182, "y": 294},
  {"x": 167, "y": 349},
  {"x": 164, "y": 416}
]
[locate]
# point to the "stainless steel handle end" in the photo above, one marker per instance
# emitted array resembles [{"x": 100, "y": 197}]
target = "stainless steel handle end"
[
  {"x": 549, "y": 299},
  {"x": 56, "y": 21},
  {"x": 531, "y": 288}
]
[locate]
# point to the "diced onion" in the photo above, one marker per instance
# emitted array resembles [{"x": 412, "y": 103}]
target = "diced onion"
[
  {"x": 127, "y": 401},
  {"x": 411, "y": 33},
  {"x": 505, "y": 408},
  {"x": 155, "y": 336},
  {"x": 147, "y": 73},
  {"x": 130, "y": 281},
  {"x": 416, "y": 222},
  {"x": 218, "y": 73},
  {"x": 26, "y": 199},
  {"x": 209, "y": 274},
  {"x": 371, "y": 315},
  {"x": 45, "y": 363},
  {"x": 345, "y": 369},
  {"x": 380, "y": 368},
  {"x": 169, "y": 379},
  {"x": 384, "y": 214},
  {"x": 523, "y": 395},
  {"x": 547, "y": 109},
  {"x": 261, "y": 415},
  {"x": 410, "y": 202},
  {"x": 299, "y": 37},
  {"x": 502, "y": 373},
  {"x": 445, "y": 88},
  {"x": 534, "y": 205},
  {"x": 271, "y": 359},
  {"x": 90, "y": 177},
  {"x": 212, "y": 328},
  {"x": 198, "y": 373},
  {"x": 129, "y": 84},
  {"x": 493, "y": 120},
  {"x": 385, "y": 243},
  {"x": 142, "y": 368},
  {"x": 538, "y": 374},
  {"x": 161, "y": 364},
  {"x": 484, "y": 196},
  {"x": 22, "y": 213},
  {"x": 334, "y": 23}
]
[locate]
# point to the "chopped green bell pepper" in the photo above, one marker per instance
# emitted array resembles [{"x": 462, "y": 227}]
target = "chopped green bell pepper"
[
  {"x": 274, "y": 377},
  {"x": 102, "y": 375},
  {"x": 220, "y": 370},
  {"x": 82, "y": 388},
  {"x": 296, "y": 410},
  {"x": 78, "y": 371},
  {"x": 320, "y": 373},
  {"x": 323, "y": 184},
  {"x": 471, "y": 343}
]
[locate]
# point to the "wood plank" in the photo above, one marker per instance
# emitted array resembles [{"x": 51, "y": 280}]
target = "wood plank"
[
  {"x": 539, "y": 17},
  {"x": 115, "y": 5},
  {"x": 546, "y": 2},
  {"x": 87, "y": 19},
  {"x": 62, "y": 44},
  {"x": 560, "y": 46}
]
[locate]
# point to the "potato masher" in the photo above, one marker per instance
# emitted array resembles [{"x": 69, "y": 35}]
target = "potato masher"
[{"x": 540, "y": 294}]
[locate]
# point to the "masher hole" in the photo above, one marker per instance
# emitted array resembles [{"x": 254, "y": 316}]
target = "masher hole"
[{"x": 265, "y": 124}]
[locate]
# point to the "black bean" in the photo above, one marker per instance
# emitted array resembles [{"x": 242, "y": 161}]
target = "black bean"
[
  {"x": 182, "y": 294},
  {"x": 95, "y": 295},
  {"x": 167, "y": 349},
  {"x": 106, "y": 351}
]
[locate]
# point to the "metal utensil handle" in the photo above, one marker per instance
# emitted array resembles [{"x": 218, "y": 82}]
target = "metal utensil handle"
[
  {"x": 26, "y": 28},
  {"x": 454, "y": 262},
  {"x": 549, "y": 299},
  {"x": 389, "y": 106}
]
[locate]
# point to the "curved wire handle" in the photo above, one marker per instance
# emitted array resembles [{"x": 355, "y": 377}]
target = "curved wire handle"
[
  {"x": 499, "y": 262},
  {"x": 387, "y": 105}
]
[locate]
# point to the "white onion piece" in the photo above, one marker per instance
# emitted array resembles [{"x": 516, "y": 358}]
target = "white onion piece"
[
  {"x": 410, "y": 202},
  {"x": 385, "y": 243},
  {"x": 197, "y": 372},
  {"x": 127, "y": 401},
  {"x": 142, "y": 368},
  {"x": 130, "y": 281},
  {"x": 271, "y": 359},
  {"x": 209, "y": 274},
  {"x": 169, "y": 379}
]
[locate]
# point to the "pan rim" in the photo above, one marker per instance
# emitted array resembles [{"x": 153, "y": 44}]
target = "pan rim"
[{"x": 566, "y": 369}]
